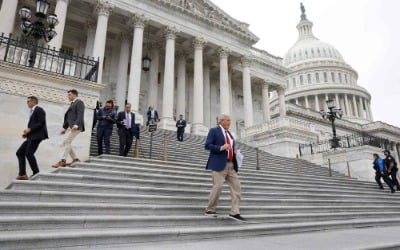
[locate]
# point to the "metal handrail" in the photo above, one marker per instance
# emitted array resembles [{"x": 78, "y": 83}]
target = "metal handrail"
[{"x": 17, "y": 51}]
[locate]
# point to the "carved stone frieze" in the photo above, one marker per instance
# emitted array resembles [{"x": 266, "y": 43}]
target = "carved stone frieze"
[
  {"x": 210, "y": 13},
  {"x": 46, "y": 93},
  {"x": 46, "y": 86}
]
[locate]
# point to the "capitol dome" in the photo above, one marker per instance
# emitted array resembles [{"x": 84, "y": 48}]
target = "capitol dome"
[
  {"x": 318, "y": 73},
  {"x": 308, "y": 47}
]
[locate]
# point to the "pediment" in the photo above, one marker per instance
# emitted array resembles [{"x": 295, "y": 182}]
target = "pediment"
[{"x": 205, "y": 9}]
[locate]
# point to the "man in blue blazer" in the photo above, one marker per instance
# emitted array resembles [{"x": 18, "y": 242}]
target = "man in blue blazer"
[{"x": 222, "y": 162}]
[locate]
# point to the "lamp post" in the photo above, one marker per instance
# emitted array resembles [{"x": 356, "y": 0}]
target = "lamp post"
[
  {"x": 38, "y": 28},
  {"x": 331, "y": 115}
]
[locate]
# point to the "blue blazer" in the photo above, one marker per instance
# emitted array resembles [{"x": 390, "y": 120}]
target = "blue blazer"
[{"x": 217, "y": 159}]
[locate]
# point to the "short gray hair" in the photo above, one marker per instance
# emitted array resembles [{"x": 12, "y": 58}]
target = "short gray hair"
[{"x": 222, "y": 117}]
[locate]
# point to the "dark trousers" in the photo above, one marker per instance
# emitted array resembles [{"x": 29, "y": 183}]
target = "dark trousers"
[
  {"x": 125, "y": 141},
  {"x": 385, "y": 178},
  {"x": 27, "y": 151},
  {"x": 393, "y": 177},
  {"x": 179, "y": 134},
  {"x": 103, "y": 134}
]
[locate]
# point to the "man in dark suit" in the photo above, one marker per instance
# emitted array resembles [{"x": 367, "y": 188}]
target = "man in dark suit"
[
  {"x": 34, "y": 134},
  {"x": 180, "y": 124},
  {"x": 106, "y": 117},
  {"x": 126, "y": 126},
  {"x": 72, "y": 126},
  {"x": 222, "y": 162},
  {"x": 152, "y": 115}
]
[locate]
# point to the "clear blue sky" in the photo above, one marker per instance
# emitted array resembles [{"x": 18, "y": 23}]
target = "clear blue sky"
[{"x": 366, "y": 32}]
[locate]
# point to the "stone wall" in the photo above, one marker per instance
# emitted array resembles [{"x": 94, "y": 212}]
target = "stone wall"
[{"x": 16, "y": 83}]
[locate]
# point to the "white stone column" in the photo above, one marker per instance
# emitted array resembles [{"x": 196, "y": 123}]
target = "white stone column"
[
  {"x": 207, "y": 95},
  {"x": 225, "y": 98},
  {"x": 369, "y": 110},
  {"x": 346, "y": 104},
  {"x": 61, "y": 12},
  {"x": 153, "y": 74},
  {"x": 355, "y": 106},
  {"x": 91, "y": 33},
  {"x": 337, "y": 101},
  {"x": 135, "y": 73},
  {"x": 167, "y": 121},
  {"x": 198, "y": 88},
  {"x": 247, "y": 95},
  {"x": 366, "y": 109},
  {"x": 181, "y": 85},
  {"x": 120, "y": 92},
  {"x": 282, "y": 103},
  {"x": 360, "y": 109},
  {"x": 326, "y": 104},
  {"x": 317, "y": 108},
  {"x": 307, "y": 105},
  {"x": 8, "y": 12},
  {"x": 103, "y": 9},
  {"x": 265, "y": 102}
]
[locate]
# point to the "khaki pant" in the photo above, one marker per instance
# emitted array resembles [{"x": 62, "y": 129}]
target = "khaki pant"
[
  {"x": 230, "y": 176},
  {"x": 66, "y": 147}
]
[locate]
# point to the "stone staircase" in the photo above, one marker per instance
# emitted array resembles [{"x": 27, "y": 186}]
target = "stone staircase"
[{"x": 116, "y": 201}]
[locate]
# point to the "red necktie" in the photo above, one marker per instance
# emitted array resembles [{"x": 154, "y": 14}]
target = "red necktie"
[{"x": 230, "y": 151}]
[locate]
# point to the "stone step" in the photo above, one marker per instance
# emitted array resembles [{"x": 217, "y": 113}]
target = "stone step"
[
  {"x": 197, "y": 170},
  {"x": 103, "y": 237},
  {"x": 59, "y": 196},
  {"x": 163, "y": 180},
  {"x": 23, "y": 222},
  {"x": 76, "y": 176},
  {"x": 284, "y": 168},
  {"x": 180, "y": 191}
]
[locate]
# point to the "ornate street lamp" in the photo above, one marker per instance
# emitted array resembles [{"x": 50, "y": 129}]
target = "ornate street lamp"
[
  {"x": 38, "y": 29},
  {"x": 331, "y": 115},
  {"x": 146, "y": 60}
]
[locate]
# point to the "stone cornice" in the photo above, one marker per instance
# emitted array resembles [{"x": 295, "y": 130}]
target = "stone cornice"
[
  {"x": 22, "y": 81},
  {"x": 312, "y": 89},
  {"x": 209, "y": 13}
]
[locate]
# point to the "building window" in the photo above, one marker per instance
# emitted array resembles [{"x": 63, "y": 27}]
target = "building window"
[
  {"x": 317, "y": 77},
  {"x": 345, "y": 78},
  {"x": 333, "y": 76},
  {"x": 308, "y": 78},
  {"x": 319, "y": 52},
  {"x": 325, "y": 77},
  {"x": 294, "y": 82},
  {"x": 301, "y": 80},
  {"x": 340, "y": 77},
  {"x": 287, "y": 83}
]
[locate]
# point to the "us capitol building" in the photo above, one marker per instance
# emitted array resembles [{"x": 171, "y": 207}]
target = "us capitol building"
[{"x": 202, "y": 63}]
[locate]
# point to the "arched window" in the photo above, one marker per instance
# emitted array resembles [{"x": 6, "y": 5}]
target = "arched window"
[
  {"x": 308, "y": 78},
  {"x": 301, "y": 80},
  {"x": 294, "y": 82},
  {"x": 325, "y": 77},
  {"x": 317, "y": 77},
  {"x": 340, "y": 77},
  {"x": 333, "y": 76}
]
